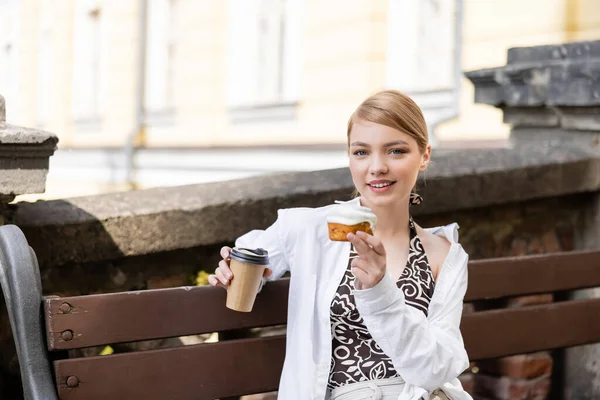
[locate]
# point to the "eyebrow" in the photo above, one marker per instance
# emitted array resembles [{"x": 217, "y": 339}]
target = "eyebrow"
[{"x": 390, "y": 144}]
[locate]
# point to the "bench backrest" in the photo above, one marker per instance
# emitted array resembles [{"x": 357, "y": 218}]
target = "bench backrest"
[
  {"x": 203, "y": 371},
  {"x": 251, "y": 365}
]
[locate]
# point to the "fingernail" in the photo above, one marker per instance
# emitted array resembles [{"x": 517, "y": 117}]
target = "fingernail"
[
  {"x": 228, "y": 276},
  {"x": 350, "y": 236}
]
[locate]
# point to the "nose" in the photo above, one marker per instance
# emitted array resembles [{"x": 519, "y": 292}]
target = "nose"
[{"x": 378, "y": 166}]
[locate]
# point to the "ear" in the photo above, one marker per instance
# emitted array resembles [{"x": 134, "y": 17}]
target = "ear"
[{"x": 425, "y": 157}]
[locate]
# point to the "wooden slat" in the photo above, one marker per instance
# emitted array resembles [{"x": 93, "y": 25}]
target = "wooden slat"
[
  {"x": 149, "y": 314},
  {"x": 516, "y": 276},
  {"x": 246, "y": 366},
  {"x": 200, "y": 372},
  {"x": 160, "y": 313},
  {"x": 500, "y": 333}
]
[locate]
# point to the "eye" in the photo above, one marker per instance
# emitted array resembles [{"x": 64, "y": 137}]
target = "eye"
[
  {"x": 397, "y": 152},
  {"x": 360, "y": 153}
]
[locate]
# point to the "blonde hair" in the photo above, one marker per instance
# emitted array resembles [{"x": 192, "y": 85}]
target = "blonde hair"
[{"x": 395, "y": 110}]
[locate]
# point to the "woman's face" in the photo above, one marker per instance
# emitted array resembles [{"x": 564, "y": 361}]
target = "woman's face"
[{"x": 384, "y": 163}]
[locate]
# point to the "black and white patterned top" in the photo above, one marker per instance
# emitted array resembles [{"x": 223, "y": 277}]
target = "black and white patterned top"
[{"x": 355, "y": 355}]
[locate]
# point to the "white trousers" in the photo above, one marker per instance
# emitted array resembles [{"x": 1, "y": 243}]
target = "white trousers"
[{"x": 378, "y": 389}]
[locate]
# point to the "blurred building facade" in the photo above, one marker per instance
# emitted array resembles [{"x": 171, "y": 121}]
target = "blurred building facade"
[{"x": 162, "y": 92}]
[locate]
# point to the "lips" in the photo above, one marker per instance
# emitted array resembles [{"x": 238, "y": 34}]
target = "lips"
[{"x": 380, "y": 184}]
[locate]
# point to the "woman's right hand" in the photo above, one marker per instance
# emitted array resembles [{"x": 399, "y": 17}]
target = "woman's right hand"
[{"x": 223, "y": 274}]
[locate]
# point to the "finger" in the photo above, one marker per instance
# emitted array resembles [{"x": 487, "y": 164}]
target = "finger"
[
  {"x": 361, "y": 247},
  {"x": 365, "y": 275},
  {"x": 362, "y": 277},
  {"x": 362, "y": 265},
  {"x": 213, "y": 281},
  {"x": 224, "y": 267},
  {"x": 372, "y": 241},
  {"x": 268, "y": 272},
  {"x": 222, "y": 278},
  {"x": 225, "y": 252}
]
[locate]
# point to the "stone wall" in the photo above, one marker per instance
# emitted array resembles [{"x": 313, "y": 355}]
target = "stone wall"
[{"x": 518, "y": 228}]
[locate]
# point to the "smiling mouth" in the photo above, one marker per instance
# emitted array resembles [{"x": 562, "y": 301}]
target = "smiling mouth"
[{"x": 380, "y": 185}]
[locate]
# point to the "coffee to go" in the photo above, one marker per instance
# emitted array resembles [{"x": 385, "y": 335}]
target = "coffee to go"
[{"x": 248, "y": 267}]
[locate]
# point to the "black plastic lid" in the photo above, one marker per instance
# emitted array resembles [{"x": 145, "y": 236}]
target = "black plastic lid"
[{"x": 250, "y": 256}]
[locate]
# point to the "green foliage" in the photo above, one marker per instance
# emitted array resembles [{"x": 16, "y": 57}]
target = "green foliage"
[{"x": 201, "y": 278}]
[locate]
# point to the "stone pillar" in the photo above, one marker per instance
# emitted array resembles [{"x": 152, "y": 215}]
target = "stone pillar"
[
  {"x": 547, "y": 93},
  {"x": 551, "y": 97},
  {"x": 24, "y": 160}
]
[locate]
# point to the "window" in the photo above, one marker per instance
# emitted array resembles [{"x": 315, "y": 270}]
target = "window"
[
  {"x": 87, "y": 74},
  {"x": 160, "y": 45},
  {"x": 271, "y": 28},
  {"x": 423, "y": 54},
  {"x": 9, "y": 56},
  {"x": 45, "y": 65},
  {"x": 264, "y": 55}
]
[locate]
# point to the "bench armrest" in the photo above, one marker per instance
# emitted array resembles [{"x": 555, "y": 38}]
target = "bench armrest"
[{"x": 22, "y": 289}]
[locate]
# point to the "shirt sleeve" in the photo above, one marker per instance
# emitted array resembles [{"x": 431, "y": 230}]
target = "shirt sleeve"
[
  {"x": 271, "y": 239},
  {"x": 425, "y": 352}
]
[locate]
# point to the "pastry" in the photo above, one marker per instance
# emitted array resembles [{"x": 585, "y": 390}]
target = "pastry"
[{"x": 344, "y": 218}]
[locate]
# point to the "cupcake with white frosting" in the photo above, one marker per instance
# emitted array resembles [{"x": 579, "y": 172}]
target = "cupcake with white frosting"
[{"x": 344, "y": 218}]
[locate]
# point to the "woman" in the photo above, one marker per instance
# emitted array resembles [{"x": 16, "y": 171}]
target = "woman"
[{"x": 376, "y": 317}]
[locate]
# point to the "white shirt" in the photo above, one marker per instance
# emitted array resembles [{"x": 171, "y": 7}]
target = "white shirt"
[{"x": 426, "y": 351}]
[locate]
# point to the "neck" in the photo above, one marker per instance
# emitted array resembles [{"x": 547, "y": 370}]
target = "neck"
[{"x": 392, "y": 221}]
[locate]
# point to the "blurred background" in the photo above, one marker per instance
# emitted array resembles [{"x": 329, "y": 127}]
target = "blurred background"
[{"x": 146, "y": 93}]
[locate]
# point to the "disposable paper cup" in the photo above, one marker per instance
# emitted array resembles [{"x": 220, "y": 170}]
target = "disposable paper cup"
[{"x": 248, "y": 267}]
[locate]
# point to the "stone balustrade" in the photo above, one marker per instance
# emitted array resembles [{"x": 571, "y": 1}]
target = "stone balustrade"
[{"x": 137, "y": 223}]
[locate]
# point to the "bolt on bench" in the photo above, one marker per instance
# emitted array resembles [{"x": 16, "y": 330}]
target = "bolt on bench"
[{"x": 45, "y": 327}]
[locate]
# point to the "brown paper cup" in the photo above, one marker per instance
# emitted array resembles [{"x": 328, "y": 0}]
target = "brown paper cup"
[{"x": 244, "y": 285}]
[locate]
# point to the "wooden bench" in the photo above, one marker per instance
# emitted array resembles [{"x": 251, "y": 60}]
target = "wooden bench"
[{"x": 45, "y": 328}]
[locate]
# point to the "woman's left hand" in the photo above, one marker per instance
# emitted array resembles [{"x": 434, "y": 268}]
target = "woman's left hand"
[{"x": 370, "y": 265}]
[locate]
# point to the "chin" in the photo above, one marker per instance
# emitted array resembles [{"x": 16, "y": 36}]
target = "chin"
[
  {"x": 383, "y": 202},
  {"x": 380, "y": 200},
  {"x": 377, "y": 200}
]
